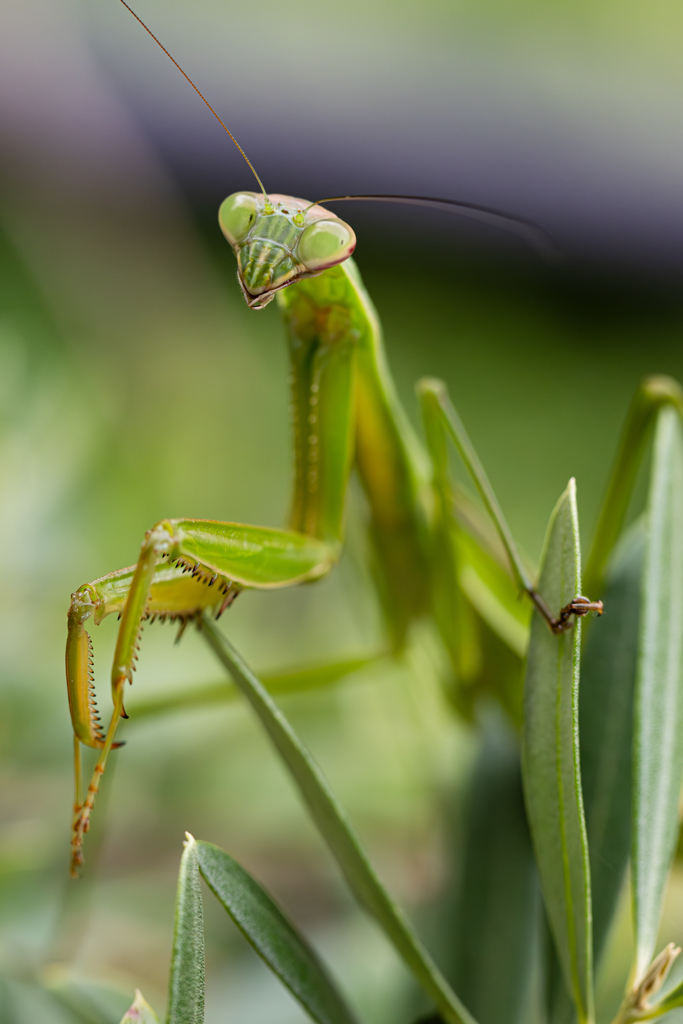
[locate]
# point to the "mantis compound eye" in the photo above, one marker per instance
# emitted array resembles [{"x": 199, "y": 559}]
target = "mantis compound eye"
[
  {"x": 325, "y": 243},
  {"x": 237, "y": 215}
]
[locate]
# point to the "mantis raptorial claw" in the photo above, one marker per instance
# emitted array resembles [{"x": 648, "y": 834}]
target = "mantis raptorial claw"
[{"x": 185, "y": 568}]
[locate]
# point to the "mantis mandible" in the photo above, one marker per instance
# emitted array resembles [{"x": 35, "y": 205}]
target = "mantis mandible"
[{"x": 346, "y": 414}]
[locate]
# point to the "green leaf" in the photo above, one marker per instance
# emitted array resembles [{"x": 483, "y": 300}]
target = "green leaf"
[
  {"x": 559, "y": 1004},
  {"x": 551, "y": 769},
  {"x": 652, "y": 394},
  {"x": 608, "y": 671},
  {"x": 336, "y": 830},
  {"x": 489, "y": 923},
  {"x": 140, "y": 1012},
  {"x": 273, "y": 936},
  {"x": 186, "y": 985},
  {"x": 658, "y": 723}
]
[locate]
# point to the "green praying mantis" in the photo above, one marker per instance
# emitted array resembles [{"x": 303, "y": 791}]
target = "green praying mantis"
[
  {"x": 436, "y": 558},
  {"x": 433, "y": 554}
]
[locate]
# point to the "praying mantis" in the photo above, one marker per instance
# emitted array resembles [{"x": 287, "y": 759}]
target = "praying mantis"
[{"x": 428, "y": 543}]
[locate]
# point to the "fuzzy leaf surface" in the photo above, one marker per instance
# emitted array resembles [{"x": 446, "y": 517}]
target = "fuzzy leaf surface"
[
  {"x": 186, "y": 985},
  {"x": 273, "y": 936},
  {"x": 658, "y": 721},
  {"x": 608, "y": 671},
  {"x": 551, "y": 767}
]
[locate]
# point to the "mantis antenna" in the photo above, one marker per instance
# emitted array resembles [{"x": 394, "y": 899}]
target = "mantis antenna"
[
  {"x": 526, "y": 229},
  {"x": 201, "y": 95}
]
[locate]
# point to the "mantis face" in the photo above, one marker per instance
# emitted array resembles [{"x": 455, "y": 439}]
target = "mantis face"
[{"x": 280, "y": 240}]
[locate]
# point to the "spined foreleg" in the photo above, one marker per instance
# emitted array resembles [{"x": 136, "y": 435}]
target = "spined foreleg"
[{"x": 185, "y": 567}]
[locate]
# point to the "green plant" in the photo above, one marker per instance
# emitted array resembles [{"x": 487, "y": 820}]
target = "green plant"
[
  {"x": 584, "y": 816},
  {"x": 434, "y": 555}
]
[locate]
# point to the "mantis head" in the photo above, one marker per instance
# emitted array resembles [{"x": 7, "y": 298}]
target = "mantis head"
[{"x": 279, "y": 240}]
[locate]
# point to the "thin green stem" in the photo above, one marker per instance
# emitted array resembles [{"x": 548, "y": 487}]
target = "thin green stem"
[{"x": 336, "y": 830}]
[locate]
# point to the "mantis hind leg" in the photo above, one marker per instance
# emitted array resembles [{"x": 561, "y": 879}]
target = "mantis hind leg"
[
  {"x": 474, "y": 596},
  {"x": 185, "y": 568}
]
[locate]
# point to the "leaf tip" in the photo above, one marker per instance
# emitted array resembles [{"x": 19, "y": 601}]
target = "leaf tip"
[
  {"x": 655, "y": 976},
  {"x": 140, "y": 1012}
]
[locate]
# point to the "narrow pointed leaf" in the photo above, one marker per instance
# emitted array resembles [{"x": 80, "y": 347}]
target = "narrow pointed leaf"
[
  {"x": 652, "y": 394},
  {"x": 658, "y": 723},
  {"x": 273, "y": 936},
  {"x": 559, "y": 1004},
  {"x": 140, "y": 1012},
  {"x": 489, "y": 923},
  {"x": 337, "y": 831},
  {"x": 608, "y": 671},
  {"x": 186, "y": 985},
  {"x": 551, "y": 769}
]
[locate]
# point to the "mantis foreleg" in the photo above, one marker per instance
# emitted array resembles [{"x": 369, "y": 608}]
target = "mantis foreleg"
[{"x": 223, "y": 558}]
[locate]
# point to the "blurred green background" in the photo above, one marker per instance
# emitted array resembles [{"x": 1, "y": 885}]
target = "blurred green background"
[{"x": 136, "y": 385}]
